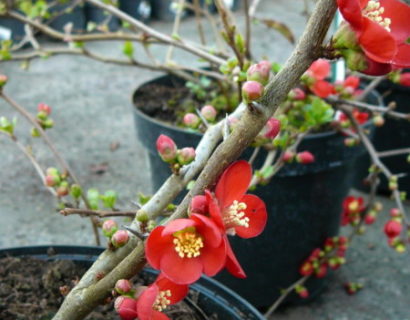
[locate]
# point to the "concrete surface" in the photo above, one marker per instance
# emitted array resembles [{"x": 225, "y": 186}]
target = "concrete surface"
[{"x": 91, "y": 109}]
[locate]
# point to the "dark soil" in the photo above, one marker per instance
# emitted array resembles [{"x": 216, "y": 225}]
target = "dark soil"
[{"x": 31, "y": 289}]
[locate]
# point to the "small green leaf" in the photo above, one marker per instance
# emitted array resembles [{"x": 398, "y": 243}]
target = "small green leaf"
[{"x": 128, "y": 49}]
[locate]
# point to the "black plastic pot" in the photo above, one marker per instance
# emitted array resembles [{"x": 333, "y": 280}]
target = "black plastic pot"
[
  {"x": 212, "y": 298},
  {"x": 394, "y": 134},
  {"x": 12, "y": 28},
  {"x": 98, "y": 16},
  {"x": 139, "y": 9},
  {"x": 165, "y": 10},
  {"x": 304, "y": 204}
]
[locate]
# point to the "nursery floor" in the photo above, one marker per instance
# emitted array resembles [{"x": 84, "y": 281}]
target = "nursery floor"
[{"x": 95, "y": 133}]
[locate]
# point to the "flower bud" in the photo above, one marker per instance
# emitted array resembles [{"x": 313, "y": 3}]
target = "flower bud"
[
  {"x": 75, "y": 191},
  {"x": 120, "y": 238},
  {"x": 186, "y": 155},
  {"x": 306, "y": 269},
  {"x": 351, "y": 142},
  {"x": 345, "y": 37},
  {"x": 404, "y": 79},
  {"x": 126, "y": 308},
  {"x": 305, "y": 157},
  {"x": 191, "y": 120},
  {"x": 355, "y": 60},
  {"x": 123, "y": 286},
  {"x": 63, "y": 189},
  {"x": 288, "y": 156},
  {"x": 369, "y": 218},
  {"x": 42, "y": 107},
  {"x": 109, "y": 227},
  {"x": 252, "y": 90},
  {"x": 35, "y": 133},
  {"x": 321, "y": 271},
  {"x": 395, "y": 212},
  {"x": 297, "y": 94},
  {"x": 52, "y": 171},
  {"x": 259, "y": 72},
  {"x": 378, "y": 121},
  {"x": 272, "y": 128},
  {"x": 48, "y": 123},
  {"x": 3, "y": 80},
  {"x": 166, "y": 148},
  {"x": 392, "y": 228},
  {"x": 302, "y": 291},
  {"x": 209, "y": 113},
  {"x": 52, "y": 180}
]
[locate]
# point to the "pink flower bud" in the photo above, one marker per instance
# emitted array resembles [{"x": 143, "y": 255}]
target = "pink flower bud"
[
  {"x": 369, "y": 219},
  {"x": 109, "y": 227},
  {"x": 392, "y": 228},
  {"x": 352, "y": 82},
  {"x": 126, "y": 308},
  {"x": 199, "y": 205},
  {"x": 3, "y": 80},
  {"x": 306, "y": 269},
  {"x": 209, "y": 112},
  {"x": 319, "y": 69},
  {"x": 52, "y": 180},
  {"x": 191, "y": 120},
  {"x": 42, "y": 107},
  {"x": 186, "y": 155},
  {"x": 305, "y": 157},
  {"x": 123, "y": 286},
  {"x": 62, "y": 190},
  {"x": 272, "y": 128},
  {"x": 259, "y": 72},
  {"x": 404, "y": 79},
  {"x": 395, "y": 212},
  {"x": 166, "y": 148},
  {"x": 297, "y": 94},
  {"x": 252, "y": 90},
  {"x": 304, "y": 293},
  {"x": 288, "y": 156},
  {"x": 119, "y": 238},
  {"x": 321, "y": 271}
]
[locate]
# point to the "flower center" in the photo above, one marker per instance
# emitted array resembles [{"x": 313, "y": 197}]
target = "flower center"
[
  {"x": 353, "y": 206},
  {"x": 234, "y": 216},
  {"x": 188, "y": 243},
  {"x": 162, "y": 301},
  {"x": 374, "y": 12}
]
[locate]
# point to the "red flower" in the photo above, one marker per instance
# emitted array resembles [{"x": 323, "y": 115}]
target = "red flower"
[
  {"x": 381, "y": 28},
  {"x": 235, "y": 212},
  {"x": 157, "y": 297},
  {"x": 361, "y": 117},
  {"x": 392, "y": 228},
  {"x": 352, "y": 207},
  {"x": 318, "y": 71},
  {"x": 185, "y": 248}
]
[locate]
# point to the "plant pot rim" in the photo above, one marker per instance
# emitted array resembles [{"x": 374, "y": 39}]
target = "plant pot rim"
[
  {"x": 205, "y": 284},
  {"x": 309, "y": 136}
]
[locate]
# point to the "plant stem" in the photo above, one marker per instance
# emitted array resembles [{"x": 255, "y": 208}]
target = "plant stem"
[{"x": 97, "y": 213}]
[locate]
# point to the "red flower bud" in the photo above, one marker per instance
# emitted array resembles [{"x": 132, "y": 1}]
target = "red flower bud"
[
  {"x": 306, "y": 269},
  {"x": 109, "y": 227},
  {"x": 395, "y": 212},
  {"x": 369, "y": 219},
  {"x": 42, "y": 107},
  {"x": 297, "y": 94},
  {"x": 191, "y": 120},
  {"x": 392, "y": 228},
  {"x": 52, "y": 180},
  {"x": 119, "y": 238},
  {"x": 166, "y": 148},
  {"x": 303, "y": 293},
  {"x": 3, "y": 80},
  {"x": 405, "y": 79},
  {"x": 123, "y": 286},
  {"x": 62, "y": 190},
  {"x": 186, "y": 155},
  {"x": 209, "y": 112},
  {"x": 272, "y": 128},
  {"x": 288, "y": 156},
  {"x": 259, "y": 72},
  {"x": 126, "y": 308},
  {"x": 252, "y": 90},
  {"x": 321, "y": 271},
  {"x": 305, "y": 157}
]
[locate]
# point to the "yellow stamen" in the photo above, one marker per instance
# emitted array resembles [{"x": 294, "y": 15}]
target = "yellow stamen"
[
  {"x": 373, "y": 11},
  {"x": 162, "y": 301},
  {"x": 188, "y": 243},
  {"x": 234, "y": 216}
]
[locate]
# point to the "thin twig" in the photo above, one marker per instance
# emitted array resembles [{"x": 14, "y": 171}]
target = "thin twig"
[
  {"x": 97, "y": 213},
  {"x": 197, "y": 11},
  {"x": 396, "y": 152},
  {"x": 248, "y": 29},
  {"x": 254, "y": 155},
  {"x": 175, "y": 29},
  {"x": 371, "y": 86}
]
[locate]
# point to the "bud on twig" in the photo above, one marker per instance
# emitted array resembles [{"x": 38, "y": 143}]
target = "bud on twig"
[
  {"x": 126, "y": 308},
  {"x": 166, "y": 148},
  {"x": 209, "y": 113},
  {"x": 109, "y": 227},
  {"x": 191, "y": 120},
  {"x": 252, "y": 90},
  {"x": 305, "y": 157},
  {"x": 119, "y": 238},
  {"x": 3, "y": 80},
  {"x": 123, "y": 286},
  {"x": 186, "y": 156},
  {"x": 259, "y": 72}
]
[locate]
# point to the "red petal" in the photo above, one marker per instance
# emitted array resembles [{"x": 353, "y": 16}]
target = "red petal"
[
  {"x": 127, "y": 309},
  {"x": 256, "y": 212},
  {"x": 351, "y": 82},
  {"x": 399, "y": 14},
  {"x": 177, "y": 225},
  {"x": 156, "y": 315},
  {"x": 146, "y": 301},
  {"x": 213, "y": 259},
  {"x": 322, "y": 88},
  {"x": 402, "y": 58},
  {"x": 215, "y": 210},
  {"x": 377, "y": 43},
  {"x": 352, "y": 12},
  {"x": 157, "y": 246},
  {"x": 233, "y": 183},
  {"x": 319, "y": 69},
  {"x": 178, "y": 291},
  {"x": 199, "y": 205},
  {"x": 208, "y": 229},
  {"x": 376, "y": 68},
  {"x": 232, "y": 264},
  {"x": 181, "y": 270}
]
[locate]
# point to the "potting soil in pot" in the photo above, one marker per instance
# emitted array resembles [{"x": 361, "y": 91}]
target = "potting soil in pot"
[{"x": 32, "y": 289}]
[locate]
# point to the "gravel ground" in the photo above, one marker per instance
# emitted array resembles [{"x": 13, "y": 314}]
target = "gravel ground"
[{"x": 92, "y": 111}]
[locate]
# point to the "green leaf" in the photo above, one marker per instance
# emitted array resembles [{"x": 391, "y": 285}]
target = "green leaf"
[
  {"x": 93, "y": 197},
  {"x": 128, "y": 49},
  {"x": 109, "y": 199},
  {"x": 280, "y": 27}
]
